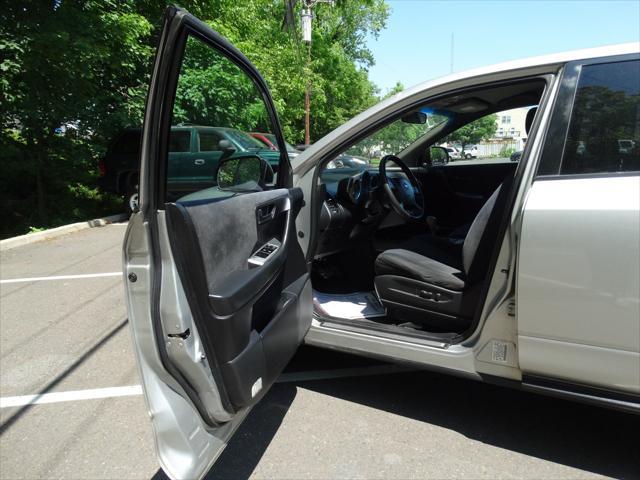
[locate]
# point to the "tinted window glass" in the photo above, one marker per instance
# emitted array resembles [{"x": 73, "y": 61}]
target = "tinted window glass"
[
  {"x": 179, "y": 141},
  {"x": 604, "y": 132},
  {"x": 209, "y": 141}
]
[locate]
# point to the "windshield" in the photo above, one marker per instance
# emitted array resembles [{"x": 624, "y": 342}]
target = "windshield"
[
  {"x": 244, "y": 140},
  {"x": 392, "y": 138}
]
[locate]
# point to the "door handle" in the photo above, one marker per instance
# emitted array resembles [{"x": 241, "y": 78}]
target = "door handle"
[
  {"x": 265, "y": 213},
  {"x": 199, "y": 161}
]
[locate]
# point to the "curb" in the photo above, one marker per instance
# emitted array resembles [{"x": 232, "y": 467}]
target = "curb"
[{"x": 14, "y": 242}]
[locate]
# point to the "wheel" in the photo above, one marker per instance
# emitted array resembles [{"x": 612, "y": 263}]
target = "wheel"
[
  {"x": 468, "y": 156},
  {"x": 402, "y": 190},
  {"x": 132, "y": 199}
]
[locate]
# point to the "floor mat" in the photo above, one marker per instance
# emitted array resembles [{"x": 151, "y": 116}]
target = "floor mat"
[{"x": 348, "y": 305}]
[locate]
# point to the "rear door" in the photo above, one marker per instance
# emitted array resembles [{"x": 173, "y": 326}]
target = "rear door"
[
  {"x": 578, "y": 282},
  {"x": 214, "y": 321}
]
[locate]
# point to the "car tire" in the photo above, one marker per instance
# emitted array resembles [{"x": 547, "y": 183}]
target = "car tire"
[
  {"x": 132, "y": 199},
  {"x": 468, "y": 156}
]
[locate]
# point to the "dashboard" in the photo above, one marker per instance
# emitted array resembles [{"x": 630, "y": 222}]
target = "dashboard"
[{"x": 353, "y": 208}]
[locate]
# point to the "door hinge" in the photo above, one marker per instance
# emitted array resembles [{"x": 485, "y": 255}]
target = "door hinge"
[{"x": 511, "y": 308}]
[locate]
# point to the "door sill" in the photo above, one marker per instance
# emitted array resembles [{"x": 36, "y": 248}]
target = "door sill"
[{"x": 390, "y": 332}]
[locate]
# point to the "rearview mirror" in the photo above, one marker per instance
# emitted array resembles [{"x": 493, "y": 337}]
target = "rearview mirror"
[
  {"x": 418, "y": 118},
  {"x": 244, "y": 174},
  {"x": 438, "y": 156}
]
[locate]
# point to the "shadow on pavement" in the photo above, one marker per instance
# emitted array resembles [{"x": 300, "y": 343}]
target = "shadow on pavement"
[
  {"x": 580, "y": 436},
  {"x": 588, "y": 438}
]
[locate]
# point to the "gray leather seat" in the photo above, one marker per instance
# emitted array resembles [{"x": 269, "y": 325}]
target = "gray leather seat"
[
  {"x": 446, "y": 270},
  {"x": 433, "y": 282}
]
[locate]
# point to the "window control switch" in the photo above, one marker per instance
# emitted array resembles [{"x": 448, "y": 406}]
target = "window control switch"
[{"x": 263, "y": 253}]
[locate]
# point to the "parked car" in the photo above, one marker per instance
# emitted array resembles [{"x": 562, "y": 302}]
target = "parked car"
[
  {"x": 194, "y": 154},
  {"x": 454, "y": 153},
  {"x": 269, "y": 140},
  {"x": 626, "y": 146},
  {"x": 515, "y": 156},
  {"x": 471, "y": 152},
  {"x": 529, "y": 279}
]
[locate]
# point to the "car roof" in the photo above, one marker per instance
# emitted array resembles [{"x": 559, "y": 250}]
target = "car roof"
[
  {"x": 528, "y": 66},
  {"x": 540, "y": 60}
]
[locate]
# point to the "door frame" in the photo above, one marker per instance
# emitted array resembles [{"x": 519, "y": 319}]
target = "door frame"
[
  {"x": 161, "y": 95},
  {"x": 178, "y": 25}
]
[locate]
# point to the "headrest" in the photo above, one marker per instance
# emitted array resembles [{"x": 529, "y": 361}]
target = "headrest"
[{"x": 529, "y": 120}]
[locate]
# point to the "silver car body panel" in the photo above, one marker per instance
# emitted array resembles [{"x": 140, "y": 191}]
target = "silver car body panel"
[
  {"x": 178, "y": 432},
  {"x": 578, "y": 304}
]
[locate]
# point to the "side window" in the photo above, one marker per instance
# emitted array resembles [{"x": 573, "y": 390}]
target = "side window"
[
  {"x": 498, "y": 137},
  {"x": 221, "y": 102},
  {"x": 209, "y": 141},
  {"x": 604, "y": 130},
  {"x": 179, "y": 141}
]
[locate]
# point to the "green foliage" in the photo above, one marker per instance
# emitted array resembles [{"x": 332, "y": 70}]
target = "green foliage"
[
  {"x": 506, "y": 152},
  {"x": 482, "y": 129},
  {"x": 74, "y": 73},
  {"x": 395, "y": 137}
]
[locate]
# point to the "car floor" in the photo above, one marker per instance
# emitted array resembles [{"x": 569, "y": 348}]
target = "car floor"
[{"x": 353, "y": 271}]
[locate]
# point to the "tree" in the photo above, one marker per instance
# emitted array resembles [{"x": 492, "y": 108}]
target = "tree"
[
  {"x": 74, "y": 73},
  {"x": 481, "y": 129}
]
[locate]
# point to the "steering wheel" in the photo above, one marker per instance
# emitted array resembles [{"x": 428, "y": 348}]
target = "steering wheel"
[{"x": 404, "y": 194}]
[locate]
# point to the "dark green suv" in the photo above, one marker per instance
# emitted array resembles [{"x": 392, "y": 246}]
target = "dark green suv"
[{"x": 194, "y": 154}]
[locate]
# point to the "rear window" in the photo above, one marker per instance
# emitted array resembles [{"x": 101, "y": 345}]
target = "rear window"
[
  {"x": 604, "y": 133},
  {"x": 127, "y": 144}
]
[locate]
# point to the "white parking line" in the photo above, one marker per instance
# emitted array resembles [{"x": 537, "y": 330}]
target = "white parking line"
[
  {"x": 22, "y": 400},
  {"x": 132, "y": 390},
  {"x": 60, "y": 277}
]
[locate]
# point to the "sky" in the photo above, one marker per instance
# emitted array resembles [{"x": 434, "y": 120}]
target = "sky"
[{"x": 416, "y": 44}]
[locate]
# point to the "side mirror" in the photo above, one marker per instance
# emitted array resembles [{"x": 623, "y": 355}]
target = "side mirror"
[
  {"x": 244, "y": 174},
  {"x": 226, "y": 148},
  {"x": 438, "y": 156}
]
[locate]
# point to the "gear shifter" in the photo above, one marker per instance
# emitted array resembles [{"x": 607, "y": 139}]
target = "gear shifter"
[{"x": 432, "y": 223}]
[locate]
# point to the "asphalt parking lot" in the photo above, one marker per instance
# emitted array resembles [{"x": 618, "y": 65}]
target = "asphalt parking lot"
[{"x": 331, "y": 416}]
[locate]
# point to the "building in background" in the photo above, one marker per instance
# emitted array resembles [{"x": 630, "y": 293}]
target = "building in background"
[{"x": 510, "y": 136}]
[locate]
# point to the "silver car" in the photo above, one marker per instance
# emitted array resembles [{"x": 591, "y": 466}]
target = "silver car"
[{"x": 522, "y": 273}]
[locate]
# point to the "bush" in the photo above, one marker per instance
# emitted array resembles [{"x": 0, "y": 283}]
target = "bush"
[{"x": 507, "y": 152}]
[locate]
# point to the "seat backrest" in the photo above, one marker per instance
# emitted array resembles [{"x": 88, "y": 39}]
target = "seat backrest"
[{"x": 479, "y": 243}]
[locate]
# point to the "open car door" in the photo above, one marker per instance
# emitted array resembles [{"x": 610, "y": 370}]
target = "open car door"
[{"x": 218, "y": 293}]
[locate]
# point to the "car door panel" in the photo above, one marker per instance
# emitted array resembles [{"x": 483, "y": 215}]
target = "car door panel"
[
  {"x": 241, "y": 308},
  {"x": 578, "y": 282},
  {"x": 578, "y": 274},
  {"x": 213, "y": 323}
]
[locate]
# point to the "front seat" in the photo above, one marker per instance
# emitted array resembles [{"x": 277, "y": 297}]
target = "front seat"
[{"x": 436, "y": 286}]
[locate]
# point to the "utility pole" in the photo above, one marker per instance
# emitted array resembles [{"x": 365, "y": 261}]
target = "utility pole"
[
  {"x": 307, "y": 17},
  {"x": 451, "y": 53}
]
